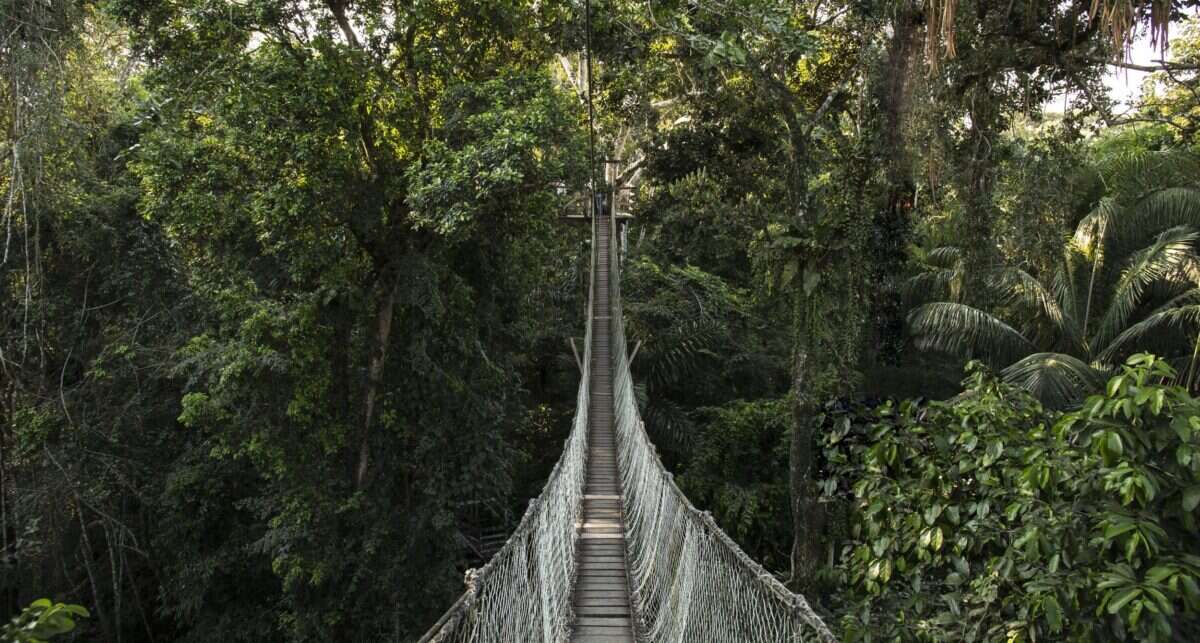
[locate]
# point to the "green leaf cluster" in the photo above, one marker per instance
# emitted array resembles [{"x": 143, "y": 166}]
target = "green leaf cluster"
[
  {"x": 41, "y": 621},
  {"x": 991, "y": 518}
]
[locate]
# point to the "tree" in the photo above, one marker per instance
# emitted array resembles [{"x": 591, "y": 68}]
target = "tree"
[
  {"x": 1171, "y": 101},
  {"x": 359, "y": 200},
  {"x": 755, "y": 98}
]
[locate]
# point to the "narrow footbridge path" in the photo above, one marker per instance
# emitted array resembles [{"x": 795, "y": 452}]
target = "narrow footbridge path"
[
  {"x": 612, "y": 550},
  {"x": 601, "y": 593}
]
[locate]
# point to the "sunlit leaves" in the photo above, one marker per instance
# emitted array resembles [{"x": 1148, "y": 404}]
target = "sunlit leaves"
[{"x": 504, "y": 142}]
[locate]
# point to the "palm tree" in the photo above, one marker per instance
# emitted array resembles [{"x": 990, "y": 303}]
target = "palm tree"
[{"x": 1128, "y": 281}]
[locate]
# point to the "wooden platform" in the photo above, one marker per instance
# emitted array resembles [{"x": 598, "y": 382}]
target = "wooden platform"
[{"x": 601, "y": 598}]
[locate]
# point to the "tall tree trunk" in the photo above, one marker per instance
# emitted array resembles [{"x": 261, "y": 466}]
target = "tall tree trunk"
[
  {"x": 375, "y": 367},
  {"x": 799, "y": 462},
  {"x": 9, "y": 581},
  {"x": 88, "y": 555},
  {"x": 808, "y": 520},
  {"x": 891, "y": 226},
  {"x": 805, "y": 533},
  {"x": 978, "y": 184}
]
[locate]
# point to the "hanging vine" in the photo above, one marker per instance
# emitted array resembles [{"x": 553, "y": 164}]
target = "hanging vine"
[{"x": 1118, "y": 20}]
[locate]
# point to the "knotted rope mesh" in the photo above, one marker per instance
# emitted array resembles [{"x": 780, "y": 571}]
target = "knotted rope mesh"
[
  {"x": 524, "y": 592},
  {"x": 689, "y": 581}
]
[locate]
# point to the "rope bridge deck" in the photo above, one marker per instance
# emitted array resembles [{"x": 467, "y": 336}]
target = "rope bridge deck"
[
  {"x": 612, "y": 550},
  {"x": 601, "y": 593}
]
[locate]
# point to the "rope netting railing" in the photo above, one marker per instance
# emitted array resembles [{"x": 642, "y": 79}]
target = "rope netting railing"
[
  {"x": 524, "y": 592},
  {"x": 688, "y": 580}
]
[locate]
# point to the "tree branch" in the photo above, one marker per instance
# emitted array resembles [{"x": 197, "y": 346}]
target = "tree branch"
[
  {"x": 1161, "y": 66},
  {"x": 338, "y": 9},
  {"x": 566, "y": 66},
  {"x": 630, "y": 171},
  {"x": 816, "y": 117}
]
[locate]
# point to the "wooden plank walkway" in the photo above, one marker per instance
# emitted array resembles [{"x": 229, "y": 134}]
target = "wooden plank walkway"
[{"x": 601, "y": 598}]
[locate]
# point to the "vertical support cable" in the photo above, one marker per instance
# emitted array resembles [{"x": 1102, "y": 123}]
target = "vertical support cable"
[{"x": 587, "y": 52}]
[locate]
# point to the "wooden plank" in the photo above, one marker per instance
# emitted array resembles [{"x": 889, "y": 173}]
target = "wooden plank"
[
  {"x": 603, "y": 597},
  {"x": 602, "y": 602},
  {"x": 612, "y": 606},
  {"x": 610, "y": 564},
  {"x": 603, "y": 621},
  {"x": 609, "y": 611},
  {"x": 601, "y": 569}
]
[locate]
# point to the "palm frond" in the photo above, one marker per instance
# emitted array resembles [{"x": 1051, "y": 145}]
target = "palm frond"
[
  {"x": 934, "y": 284},
  {"x": 1021, "y": 288},
  {"x": 1090, "y": 232},
  {"x": 943, "y": 276},
  {"x": 1057, "y": 379},
  {"x": 1133, "y": 175},
  {"x": 1189, "y": 271},
  {"x": 1181, "y": 313},
  {"x": 945, "y": 256},
  {"x": 1086, "y": 257},
  {"x": 1165, "y": 257},
  {"x": 670, "y": 424},
  {"x": 1159, "y": 210},
  {"x": 966, "y": 331},
  {"x": 670, "y": 357},
  {"x": 1068, "y": 287}
]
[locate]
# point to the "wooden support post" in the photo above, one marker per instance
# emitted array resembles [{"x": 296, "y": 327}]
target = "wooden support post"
[
  {"x": 632, "y": 355},
  {"x": 579, "y": 361}
]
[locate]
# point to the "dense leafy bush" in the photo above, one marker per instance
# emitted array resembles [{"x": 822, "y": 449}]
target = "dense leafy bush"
[
  {"x": 989, "y": 518},
  {"x": 739, "y": 471}
]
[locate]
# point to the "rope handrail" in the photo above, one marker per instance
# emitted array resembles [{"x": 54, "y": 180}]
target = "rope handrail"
[
  {"x": 523, "y": 593},
  {"x": 689, "y": 580}
]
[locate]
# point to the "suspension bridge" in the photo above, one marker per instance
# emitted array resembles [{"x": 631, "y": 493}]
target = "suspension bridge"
[{"x": 612, "y": 550}]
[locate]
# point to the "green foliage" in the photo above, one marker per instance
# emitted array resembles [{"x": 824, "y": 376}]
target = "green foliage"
[
  {"x": 687, "y": 322},
  {"x": 362, "y": 212},
  {"x": 41, "y": 621},
  {"x": 1126, "y": 281},
  {"x": 283, "y": 301},
  {"x": 739, "y": 471},
  {"x": 990, "y": 518},
  {"x": 190, "y": 320}
]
